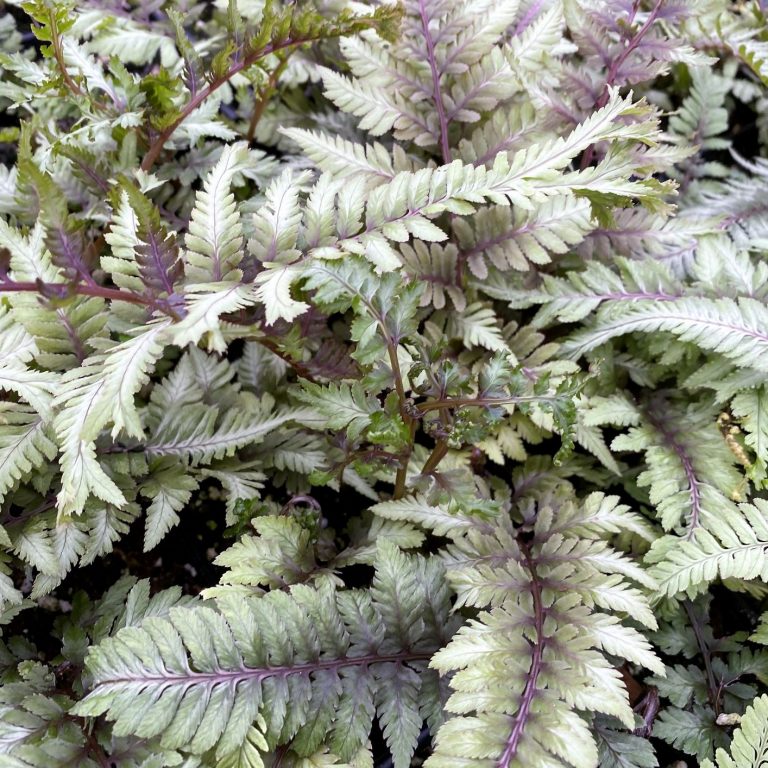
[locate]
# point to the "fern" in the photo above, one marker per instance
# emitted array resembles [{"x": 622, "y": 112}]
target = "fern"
[
  {"x": 343, "y": 158},
  {"x": 750, "y": 742},
  {"x": 214, "y": 230},
  {"x": 677, "y": 448},
  {"x": 732, "y": 547},
  {"x": 26, "y": 444},
  {"x": 520, "y": 585},
  {"x": 730, "y": 327},
  {"x": 514, "y": 242},
  {"x": 361, "y": 644},
  {"x": 105, "y": 381},
  {"x": 413, "y": 352},
  {"x": 197, "y": 436},
  {"x": 341, "y": 407}
]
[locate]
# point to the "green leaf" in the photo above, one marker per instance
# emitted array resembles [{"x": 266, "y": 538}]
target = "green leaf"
[
  {"x": 170, "y": 488},
  {"x": 214, "y": 240},
  {"x": 260, "y": 662},
  {"x": 340, "y": 406},
  {"x": 732, "y": 546},
  {"x": 733, "y": 328},
  {"x": 91, "y": 397},
  {"x": 749, "y": 747}
]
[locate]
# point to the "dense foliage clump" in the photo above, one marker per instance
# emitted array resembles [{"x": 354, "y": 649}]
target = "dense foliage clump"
[{"x": 440, "y": 327}]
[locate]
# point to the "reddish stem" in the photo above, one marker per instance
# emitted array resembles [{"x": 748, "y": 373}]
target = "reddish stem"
[
  {"x": 437, "y": 455},
  {"x": 436, "y": 95},
  {"x": 201, "y": 96},
  {"x": 58, "y": 54},
  {"x": 263, "y": 99},
  {"x": 670, "y": 435},
  {"x": 617, "y": 63},
  {"x": 537, "y": 662},
  {"x": 79, "y": 289}
]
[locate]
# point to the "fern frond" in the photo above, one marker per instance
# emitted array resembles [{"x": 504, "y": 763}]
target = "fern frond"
[
  {"x": 692, "y": 731},
  {"x": 478, "y": 325},
  {"x": 739, "y": 202},
  {"x": 106, "y": 524},
  {"x": 384, "y": 67},
  {"x": 689, "y": 469},
  {"x": 282, "y": 553},
  {"x": 276, "y": 224},
  {"x": 643, "y": 235},
  {"x": 735, "y": 329},
  {"x": 129, "y": 601},
  {"x": 702, "y": 117},
  {"x": 123, "y": 239},
  {"x": 732, "y": 545},
  {"x": 157, "y": 252},
  {"x": 749, "y": 748},
  {"x": 378, "y": 111},
  {"x": 33, "y": 543},
  {"x": 416, "y": 509},
  {"x": 294, "y": 451},
  {"x": 501, "y": 660},
  {"x": 343, "y": 158},
  {"x": 133, "y": 43},
  {"x": 86, "y": 66},
  {"x": 505, "y": 131},
  {"x": 264, "y": 662},
  {"x": 62, "y": 335},
  {"x": 603, "y": 125},
  {"x": 25, "y": 444},
  {"x": 618, "y": 749},
  {"x": 540, "y": 43},
  {"x": 8, "y": 183},
  {"x": 214, "y": 240},
  {"x": 274, "y": 291},
  {"x": 240, "y": 481},
  {"x": 467, "y": 33},
  {"x": 435, "y": 267},
  {"x": 405, "y": 205},
  {"x": 169, "y": 487},
  {"x": 205, "y": 304},
  {"x": 201, "y": 435},
  {"x": 573, "y": 298},
  {"x": 515, "y": 239},
  {"x": 341, "y": 406},
  {"x": 17, "y": 348},
  {"x": 481, "y": 89},
  {"x": 101, "y": 392},
  {"x": 64, "y": 237},
  {"x": 360, "y": 375},
  {"x": 204, "y": 122},
  {"x": 259, "y": 369}
]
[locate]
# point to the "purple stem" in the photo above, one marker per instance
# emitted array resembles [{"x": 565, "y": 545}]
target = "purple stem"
[
  {"x": 526, "y": 21},
  {"x": 632, "y": 45},
  {"x": 235, "y": 676},
  {"x": 112, "y": 294},
  {"x": 713, "y": 689},
  {"x": 436, "y": 95},
  {"x": 671, "y": 436},
  {"x": 616, "y": 64},
  {"x": 537, "y": 659},
  {"x": 156, "y": 248},
  {"x": 77, "y": 344}
]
